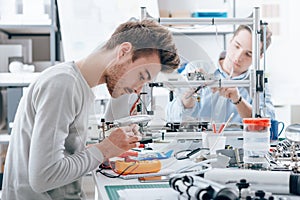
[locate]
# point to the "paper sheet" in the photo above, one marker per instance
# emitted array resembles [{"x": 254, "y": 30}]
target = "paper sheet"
[{"x": 148, "y": 194}]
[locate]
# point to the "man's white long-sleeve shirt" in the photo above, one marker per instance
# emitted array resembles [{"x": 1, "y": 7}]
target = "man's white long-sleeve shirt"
[{"x": 47, "y": 154}]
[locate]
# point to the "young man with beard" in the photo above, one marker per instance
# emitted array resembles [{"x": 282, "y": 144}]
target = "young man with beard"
[{"x": 47, "y": 153}]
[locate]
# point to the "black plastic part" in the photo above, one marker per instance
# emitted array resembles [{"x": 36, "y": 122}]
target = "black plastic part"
[
  {"x": 260, "y": 193},
  {"x": 259, "y": 81},
  {"x": 171, "y": 96},
  {"x": 146, "y": 140},
  {"x": 156, "y": 84},
  {"x": 242, "y": 184},
  {"x": 295, "y": 184},
  {"x": 227, "y": 194}
]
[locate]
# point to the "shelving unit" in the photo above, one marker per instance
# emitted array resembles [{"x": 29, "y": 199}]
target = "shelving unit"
[
  {"x": 13, "y": 30},
  {"x": 207, "y": 30},
  {"x": 29, "y": 26},
  {"x": 17, "y": 79}
]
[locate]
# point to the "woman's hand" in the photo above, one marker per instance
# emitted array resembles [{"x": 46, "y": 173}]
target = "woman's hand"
[
  {"x": 229, "y": 93},
  {"x": 188, "y": 99}
]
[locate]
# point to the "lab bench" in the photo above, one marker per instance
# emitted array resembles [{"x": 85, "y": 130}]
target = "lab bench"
[{"x": 106, "y": 188}]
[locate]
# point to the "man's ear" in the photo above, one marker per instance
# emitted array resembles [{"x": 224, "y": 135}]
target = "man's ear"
[{"x": 124, "y": 49}]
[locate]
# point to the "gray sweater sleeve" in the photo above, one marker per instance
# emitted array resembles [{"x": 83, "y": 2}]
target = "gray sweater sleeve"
[{"x": 51, "y": 165}]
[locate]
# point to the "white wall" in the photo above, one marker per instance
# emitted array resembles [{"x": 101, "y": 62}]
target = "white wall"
[
  {"x": 282, "y": 56},
  {"x": 196, "y": 47},
  {"x": 85, "y": 25}
]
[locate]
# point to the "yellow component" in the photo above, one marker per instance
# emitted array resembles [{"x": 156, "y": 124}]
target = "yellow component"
[{"x": 138, "y": 167}]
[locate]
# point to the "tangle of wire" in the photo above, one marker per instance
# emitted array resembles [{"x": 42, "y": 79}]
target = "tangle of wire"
[{"x": 100, "y": 170}]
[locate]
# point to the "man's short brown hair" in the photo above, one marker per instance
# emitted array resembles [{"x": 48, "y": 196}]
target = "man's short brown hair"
[{"x": 147, "y": 37}]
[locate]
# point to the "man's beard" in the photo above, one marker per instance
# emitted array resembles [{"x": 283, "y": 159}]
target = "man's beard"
[{"x": 114, "y": 80}]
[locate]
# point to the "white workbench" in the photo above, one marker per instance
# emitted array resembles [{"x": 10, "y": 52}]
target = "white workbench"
[{"x": 101, "y": 181}]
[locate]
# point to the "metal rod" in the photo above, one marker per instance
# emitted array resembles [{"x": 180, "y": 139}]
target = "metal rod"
[
  {"x": 196, "y": 21},
  {"x": 255, "y": 59},
  {"x": 204, "y": 21},
  {"x": 265, "y": 43},
  {"x": 208, "y": 83},
  {"x": 255, "y": 21},
  {"x": 144, "y": 103},
  {"x": 143, "y": 13},
  {"x": 264, "y": 52},
  {"x": 52, "y": 32},
  {"x": 234, "y": 13}
]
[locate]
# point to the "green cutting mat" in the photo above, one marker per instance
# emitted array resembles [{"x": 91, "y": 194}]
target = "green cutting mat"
[{"x": 112, "y": 190}]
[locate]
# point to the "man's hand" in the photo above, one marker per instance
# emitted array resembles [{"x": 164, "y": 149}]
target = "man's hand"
[{"x": 120, "y": 140}]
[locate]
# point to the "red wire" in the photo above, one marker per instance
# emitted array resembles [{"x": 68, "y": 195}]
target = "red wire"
[{"x": 134, "y": 106}]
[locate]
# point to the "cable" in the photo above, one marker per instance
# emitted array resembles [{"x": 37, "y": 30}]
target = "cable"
[
  {"x": 100, "y": 170},
  {"x": 187, "y": 153},
  {"x": 143, "y": 103},
  {"x": 216, "y": 38},
  {"x": 149, "y": 112},
  {"x": 204, "y": 164}
]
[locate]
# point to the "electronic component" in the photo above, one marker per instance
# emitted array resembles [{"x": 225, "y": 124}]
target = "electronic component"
[
  {"x": 278, "y": 182},
  {"x": 152, "y": 179},
  {"x": 137, "y": 167},
  {"x": 195, "y": 187}
]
